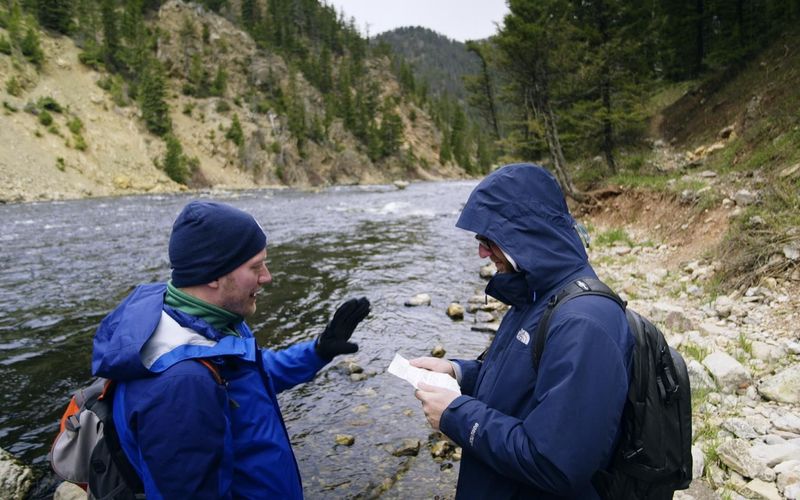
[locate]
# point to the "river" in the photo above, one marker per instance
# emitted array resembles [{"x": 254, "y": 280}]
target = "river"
[{"x": 65, "y": 265}]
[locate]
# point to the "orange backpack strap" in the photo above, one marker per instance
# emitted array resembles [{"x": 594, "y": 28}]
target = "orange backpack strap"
[{"x": 213, "y": 369}]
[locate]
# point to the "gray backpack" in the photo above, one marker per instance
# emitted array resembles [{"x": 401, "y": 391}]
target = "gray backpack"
[{"x": 87, "y": 450}]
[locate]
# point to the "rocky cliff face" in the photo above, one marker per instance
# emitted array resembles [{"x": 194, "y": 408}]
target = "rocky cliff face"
[{"x": 113, "y": 153}]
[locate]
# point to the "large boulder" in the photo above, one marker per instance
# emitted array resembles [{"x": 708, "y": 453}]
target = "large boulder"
[
  {"x": 783, "y": 387},
  {"x": 15, "y": 478}
]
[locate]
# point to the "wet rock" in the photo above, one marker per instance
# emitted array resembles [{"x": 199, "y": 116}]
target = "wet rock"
[
  {"x": 442, "y": 449},
  {"x": 407, "y": 448},
  {"x": 15, "y": 478},
  {"x": 438, "y": 351},
  {"x": 488, "y": 271},
  {"x": 484, "y": 317},
  {"x": 455, "y": 311},
  {"x": 478, "y": 299},
  {"x": 783, "y": 387},
  {"x": 345, "y": 439},
  {"x": 358, "y": 377},
  {"x": 421, "y": 299},
  {"x": 69, "y": 491},
  {"x": 362, "y": 408},
  {"x": 352, "y": 367},
  {"x": 728, "y": 373},
  {"x": 486, "y": 327},
  {"x": 400, "y": 184}
]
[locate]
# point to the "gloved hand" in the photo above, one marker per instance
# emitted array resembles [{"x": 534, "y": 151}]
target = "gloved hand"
[{"x": 335, "y": 338}]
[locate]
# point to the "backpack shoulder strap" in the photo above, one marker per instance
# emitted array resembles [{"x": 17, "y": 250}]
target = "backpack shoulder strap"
[
  {"x": 213, "y": 369},
  {"x": 576, "y": 288}
]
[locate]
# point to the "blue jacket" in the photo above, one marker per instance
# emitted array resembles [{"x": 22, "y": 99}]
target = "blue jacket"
[
  {"x": 187, "y": 435},
  {"x": 526, "y": 434}
]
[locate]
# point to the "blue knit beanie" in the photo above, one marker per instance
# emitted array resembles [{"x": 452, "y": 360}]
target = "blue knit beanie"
[{"x": 209, "y": 240}]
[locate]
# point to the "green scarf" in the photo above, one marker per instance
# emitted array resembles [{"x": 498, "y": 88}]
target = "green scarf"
[{"x": 217, "y": 317}]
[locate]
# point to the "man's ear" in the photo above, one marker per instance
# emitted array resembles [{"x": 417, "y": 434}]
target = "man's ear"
[{"x": 214, "y": 284}]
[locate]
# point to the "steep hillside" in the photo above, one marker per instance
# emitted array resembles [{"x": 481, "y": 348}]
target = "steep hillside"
[
  {"x": 95, "y": 144},
  {"x": 740, "y": 131}
]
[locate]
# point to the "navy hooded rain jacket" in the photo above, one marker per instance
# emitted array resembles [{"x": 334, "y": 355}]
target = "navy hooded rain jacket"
[{"x": 526, "y": 434}]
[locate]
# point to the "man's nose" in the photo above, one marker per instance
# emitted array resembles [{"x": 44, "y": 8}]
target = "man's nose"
[
  {"x": 483, "y": 252},
  {"x": 265, "y": 278}
]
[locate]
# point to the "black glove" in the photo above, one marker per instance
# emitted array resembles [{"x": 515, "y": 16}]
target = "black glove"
[{"x": 334, "y": 340}]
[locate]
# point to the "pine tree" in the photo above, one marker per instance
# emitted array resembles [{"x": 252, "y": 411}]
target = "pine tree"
[
  {"x": 220, "y": 82},
  {"x": 235, "y": 132},
  {"x": 55, "y": 15},
  {"x": 31, "y": 47},
  {"x": 390, "y": 131},
  {"x": 251, "y": 14},
  {"x": 152, "y": 92},
  {"x": 111, "y": 44},
  {"x": 174, "y": 161}
]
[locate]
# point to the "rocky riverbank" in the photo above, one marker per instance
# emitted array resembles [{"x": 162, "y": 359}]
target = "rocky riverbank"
[{"x": 742, "y": 348}]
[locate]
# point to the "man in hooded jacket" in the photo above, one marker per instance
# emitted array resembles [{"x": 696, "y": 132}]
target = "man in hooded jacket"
[
  {"x": 213, "y": 431},
  {"x": 527, "y": 433}
]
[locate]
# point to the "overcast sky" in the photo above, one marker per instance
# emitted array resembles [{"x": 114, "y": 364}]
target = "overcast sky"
[{"x": 457, "y": 19}]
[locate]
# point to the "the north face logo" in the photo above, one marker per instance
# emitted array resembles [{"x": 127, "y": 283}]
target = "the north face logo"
[{"x": 523, "y": 336}]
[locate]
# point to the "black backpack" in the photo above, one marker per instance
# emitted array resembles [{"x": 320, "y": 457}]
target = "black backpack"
[
  {"x": 87, "y": 450},
  {"x": 653, "y": 457}
]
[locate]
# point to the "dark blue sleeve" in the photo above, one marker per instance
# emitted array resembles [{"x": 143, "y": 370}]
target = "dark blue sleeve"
[
  {"x": 569, "y": 434},
  {"x": 292, "y": 366},
  {"x": 182, "y": 436},
  {"x": 469, "y": 374}
]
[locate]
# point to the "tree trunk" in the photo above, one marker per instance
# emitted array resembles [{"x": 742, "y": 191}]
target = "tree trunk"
[
  {"x": 605, "y": 90},
  {"x": 700, "y": 47},
  {"x": 608, "y": 128},
  {"x": 540, "y": 101}
]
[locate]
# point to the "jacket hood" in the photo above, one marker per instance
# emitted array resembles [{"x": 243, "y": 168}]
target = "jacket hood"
[
  {"x": 142, "y": 337},
  {"x": 522, "y": 209}
]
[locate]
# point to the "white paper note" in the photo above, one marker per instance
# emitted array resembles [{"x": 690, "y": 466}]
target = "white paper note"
[{"x": 400, "y": 367}]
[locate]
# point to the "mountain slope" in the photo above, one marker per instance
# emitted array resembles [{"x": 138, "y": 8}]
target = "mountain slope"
[
  {"x": 437, "y": 60},
  {"x": 113, "y": 153}
]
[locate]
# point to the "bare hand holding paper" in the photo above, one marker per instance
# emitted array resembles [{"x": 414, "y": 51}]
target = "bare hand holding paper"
[{"x": 400, "y": 367}]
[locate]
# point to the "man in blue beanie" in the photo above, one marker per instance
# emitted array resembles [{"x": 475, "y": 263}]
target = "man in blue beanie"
[
  {"x": 528, "y": 433},
  {"x": 195, "y": 405}
]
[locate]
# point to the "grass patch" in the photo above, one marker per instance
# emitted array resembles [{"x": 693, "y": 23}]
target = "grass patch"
[
  {"x": 613, "y": 237},
  {"x": 635, "y": 180},
  {"x": 711, "y": 452},
  {"x": 694, "y": 351},
  {"x": 755, "y": 244},
  {"x": 664, "y": 96},
  {"x": 699, "y": 397}
]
